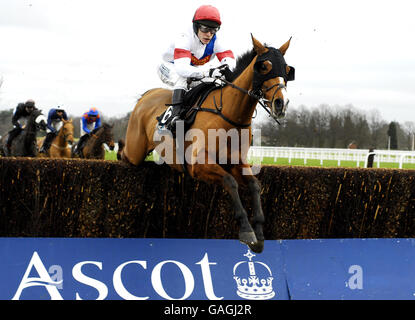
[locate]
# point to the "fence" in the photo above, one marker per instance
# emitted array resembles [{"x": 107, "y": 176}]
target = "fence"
[{"x": 357, "y": 155}]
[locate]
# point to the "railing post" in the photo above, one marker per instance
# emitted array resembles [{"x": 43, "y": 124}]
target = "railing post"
[{"x": 369, "y": 159}]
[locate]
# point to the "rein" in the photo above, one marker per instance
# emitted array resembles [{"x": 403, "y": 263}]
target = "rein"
[
  {"x": 259, "y": 95},
  {"x": 255, "y": 94}
]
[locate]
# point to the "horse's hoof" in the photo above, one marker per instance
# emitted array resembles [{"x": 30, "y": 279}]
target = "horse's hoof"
[
  {"x": 247, "y": 238},
  {"x": 257, "y": 247}
]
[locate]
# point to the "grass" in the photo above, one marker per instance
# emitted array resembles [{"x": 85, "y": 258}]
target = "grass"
[
  {"x": 112, "y": 156},
  {"x": 332, "y": 163}
]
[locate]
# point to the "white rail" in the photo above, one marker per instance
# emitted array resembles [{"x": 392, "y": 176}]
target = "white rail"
[{"x": 357, "y": 155}]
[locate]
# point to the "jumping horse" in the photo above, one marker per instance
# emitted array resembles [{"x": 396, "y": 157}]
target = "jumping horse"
[
  {"x": 260, "y": 76},
  {"x": 24, "y": 145},
  {"x": 94, "y": 146}
]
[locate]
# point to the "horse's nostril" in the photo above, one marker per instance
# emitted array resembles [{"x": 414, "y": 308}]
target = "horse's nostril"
[{"x": 278, "y": 104}]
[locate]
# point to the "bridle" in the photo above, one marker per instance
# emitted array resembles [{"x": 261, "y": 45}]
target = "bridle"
[
  {"x": 65, "y": 136},
  {"x": 259, "y": 95},
  {"x": 255, "y": 94}
]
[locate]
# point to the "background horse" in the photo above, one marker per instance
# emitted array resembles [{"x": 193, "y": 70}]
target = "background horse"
[
  {"x": 260, "y": 76},
  {"x": 94, "y": 146},
  {"x": 62, "y": 143},
  {"x": 24, "y": 145}
]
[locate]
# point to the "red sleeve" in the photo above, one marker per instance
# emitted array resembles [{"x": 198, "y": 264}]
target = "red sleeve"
[
  {"x": 182, "y": 53},
  {"x": 225, "y": 54}
]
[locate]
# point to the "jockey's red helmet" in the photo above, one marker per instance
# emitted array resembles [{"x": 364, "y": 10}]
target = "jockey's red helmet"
[{"x": 209, "y": 15}]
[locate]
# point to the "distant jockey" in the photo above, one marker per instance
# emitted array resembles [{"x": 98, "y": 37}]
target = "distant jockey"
[
  {"x": 55, "y": 117},
  {"x": 19, "y": 120},
  {"x": 187, "y": 55},
  {"x": 90, "y": 120}
]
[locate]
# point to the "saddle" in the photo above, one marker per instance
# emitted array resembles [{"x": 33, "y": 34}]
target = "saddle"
[{"x": 192, "y": 101}]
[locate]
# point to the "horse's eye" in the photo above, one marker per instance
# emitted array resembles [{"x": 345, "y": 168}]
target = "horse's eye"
[{"x": 263, "y": 67}]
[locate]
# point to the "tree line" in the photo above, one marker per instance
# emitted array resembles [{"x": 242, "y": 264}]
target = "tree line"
[
  {"x": 336, "y": 127},
  {"x": 318, "y": 127}
]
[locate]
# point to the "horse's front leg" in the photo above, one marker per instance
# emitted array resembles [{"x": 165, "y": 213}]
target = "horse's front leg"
[
  {"x": 213, "y": 173},
  {"x": 246, "y": 177}
]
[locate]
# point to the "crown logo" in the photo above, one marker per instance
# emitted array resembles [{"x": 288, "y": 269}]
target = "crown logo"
[{"x": 249, "y": 285}]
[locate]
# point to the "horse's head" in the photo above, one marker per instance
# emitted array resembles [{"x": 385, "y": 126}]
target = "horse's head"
[
  {"x": 67, "y": 131},
  {"x": 108, "y": 136},
  {"x": 271, "y": 74},
  {"x": 40, "y": 120}
]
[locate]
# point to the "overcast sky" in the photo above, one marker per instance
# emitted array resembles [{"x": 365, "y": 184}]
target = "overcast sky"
[{"x": 104, "y": 53}]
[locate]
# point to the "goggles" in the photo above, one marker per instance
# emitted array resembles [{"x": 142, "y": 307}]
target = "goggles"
[{"x": 206, "y": 29}]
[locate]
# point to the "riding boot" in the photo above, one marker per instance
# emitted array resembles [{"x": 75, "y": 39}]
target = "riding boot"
[
  {"x": 79, "y": 146},
  {"x": 177, "y": 105},
  {"x": 47, "y": 142}
]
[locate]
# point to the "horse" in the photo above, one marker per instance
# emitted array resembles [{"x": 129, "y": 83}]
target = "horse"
[
  {"x": 260, "y": 76},
  {"x": 24, "y": 145},
  {"x": 61, "y": 144},
  {"x": 94, "y": 148}
]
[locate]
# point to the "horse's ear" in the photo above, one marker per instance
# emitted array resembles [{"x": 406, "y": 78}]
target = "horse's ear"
[
  {"x": 285, "y": 46},
  {"x": 258, "y": 46}
]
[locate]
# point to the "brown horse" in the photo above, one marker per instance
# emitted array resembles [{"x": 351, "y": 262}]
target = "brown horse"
[
  {"x": 62, "y": 143},
  {"x": 94, "y": 146},
  {"x": 260, "y": 76}
]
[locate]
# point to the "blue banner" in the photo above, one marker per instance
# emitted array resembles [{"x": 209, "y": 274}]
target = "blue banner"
[{"x": 194, "y": 269}]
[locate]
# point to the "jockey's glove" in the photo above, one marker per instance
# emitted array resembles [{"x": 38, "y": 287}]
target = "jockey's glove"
[
  {"x": 224, "y": 69},
  {"x": 216, "y": 81},
  {"x": 215, "y": 73}
]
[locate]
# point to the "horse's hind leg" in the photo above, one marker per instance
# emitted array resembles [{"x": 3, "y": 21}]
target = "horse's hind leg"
[{"x": 214, "y": 173}]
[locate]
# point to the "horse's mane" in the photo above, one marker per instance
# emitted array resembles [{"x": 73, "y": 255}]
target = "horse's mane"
[
  {"x": 242, "y": 62},
  {"x": 104, "y": 126},
  {"x": 35, "y": 113}
]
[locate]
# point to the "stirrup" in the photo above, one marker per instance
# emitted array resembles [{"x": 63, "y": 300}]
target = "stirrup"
[{"x": 172, "y": 124}]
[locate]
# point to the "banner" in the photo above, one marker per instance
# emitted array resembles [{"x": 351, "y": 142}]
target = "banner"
[{"x": 195, "y": 269}]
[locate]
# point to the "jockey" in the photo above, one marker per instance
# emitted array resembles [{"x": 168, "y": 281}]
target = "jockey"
[
  {"x": 55, "y": 117},
  {"x": 90, "y": 120},
  {"x": 19, "y": 120},
  {"x": 185, "y": 59}
]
